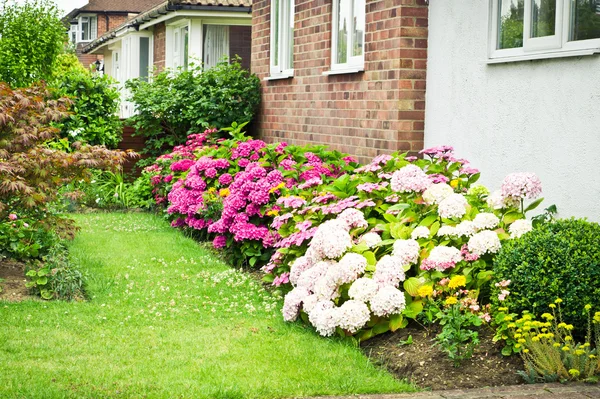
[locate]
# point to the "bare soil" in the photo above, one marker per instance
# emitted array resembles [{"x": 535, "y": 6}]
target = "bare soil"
[
  {"x": 12, "y": 281},
  {"x": 425, "y": 365}
]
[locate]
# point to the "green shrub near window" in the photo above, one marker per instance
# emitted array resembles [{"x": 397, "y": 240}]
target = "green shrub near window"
[
  {"x": 177, "y": 103},
  {"x": 559, "y": 259}
]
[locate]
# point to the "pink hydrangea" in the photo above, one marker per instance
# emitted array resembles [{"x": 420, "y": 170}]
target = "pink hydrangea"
[
  {"x": 518, "y": 186},
  {"x": 410, "y": 178}
]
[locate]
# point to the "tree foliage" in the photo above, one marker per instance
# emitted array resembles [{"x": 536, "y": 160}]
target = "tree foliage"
[{"x": 31, "y": 37}]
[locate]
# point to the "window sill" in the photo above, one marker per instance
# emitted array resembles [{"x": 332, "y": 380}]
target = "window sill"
[
  {"x": 544, "y": 55},
  {"x": 344, "y": 71},
  {"x": 287, "y": 75}
]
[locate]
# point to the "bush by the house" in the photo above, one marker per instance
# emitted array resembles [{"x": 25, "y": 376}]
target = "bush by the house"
[
  {"x": 559, "y": 259},
  {"x": 178, "y": 103}
]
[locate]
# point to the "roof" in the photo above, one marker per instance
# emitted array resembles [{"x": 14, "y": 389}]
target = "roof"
[
  {"x": 164, "y": 7},
  {"x": 132, "y": 6}
]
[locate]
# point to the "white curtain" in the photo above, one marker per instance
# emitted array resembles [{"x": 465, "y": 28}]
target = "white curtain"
[{"x": 216, "y": 44}]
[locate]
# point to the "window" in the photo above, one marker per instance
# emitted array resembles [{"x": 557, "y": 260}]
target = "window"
[
  {"x": 144, "y": 58},
  {"x": 282, "y": 38},
  {"x": 181, "y": 37},
  {"x": 73, "y": 34},
  {"x": 88, "y": 28},
  {"x": 348, "y": 36},
  {"x": 533, "y": 29},
  {"x": 216, "y": 44}
]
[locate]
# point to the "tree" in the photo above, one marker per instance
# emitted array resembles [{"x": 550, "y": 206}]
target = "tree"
[{"x": 31, "y": 37}]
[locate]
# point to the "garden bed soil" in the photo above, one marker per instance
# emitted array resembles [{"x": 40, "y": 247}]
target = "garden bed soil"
[
  {"x": 425, "y": 365},
  {"x": 12, "y": 281}
]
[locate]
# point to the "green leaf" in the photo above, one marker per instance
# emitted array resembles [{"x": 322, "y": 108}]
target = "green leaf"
[
  {"x": 510, "y": 217},
  {"x": 397, "y": 321},
  {"x": 31, "y": 273},
  {"x": 370, "y": 256},
  {"x": 428, "y": 221},
  {"x": 365, "y": 335},
  {"x": 412, "y": 286},
  {"x": 507, "y": 351},
  {"x": 252, "y": 261},
  {"x": 411, "y": 311},
  {"x": 360, "y": 248},
  {"x": 42, "y": 272},
  {"x": 42, "y": 281},
  {"x": 534, "y": 205},
  {"x": 381, "y": 327}
]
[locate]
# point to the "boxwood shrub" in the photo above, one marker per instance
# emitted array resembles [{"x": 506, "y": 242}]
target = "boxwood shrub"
[{"x": 560, "y": 259}]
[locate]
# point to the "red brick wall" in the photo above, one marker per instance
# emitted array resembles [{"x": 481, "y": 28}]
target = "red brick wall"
[
  {"x": 160, "y": 35},
  {"x": 364, "y": 114},
  {"x": 106, "y": 22},
  {"x": 240, "y": 43},
  {"x": 131, "y": 142}
]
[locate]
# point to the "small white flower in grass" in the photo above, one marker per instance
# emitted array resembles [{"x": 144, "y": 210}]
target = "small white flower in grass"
[
  {"x": 453, "y": 206},
  {"x": 520, "y": 227},
  {"x": 407, "y": 251},
  {"x": 324, "y": 317},
  {"x": 370, "y": 239},
  {"x": 363, "y": 289},
  {"x": 353, "y": 315},
  {"x": 420, "y": 232},
  {"x": 485, "y": 241},
  {"x": 466, "y": 228},
  {"x": 388, "y": 301},
  {"x": 389, "y": 271},
  {"x": 292, "y": 302},
  {"x": 436, "y": 193},
  {"x": 331, "y": 239},
  {"x": 447, "y": 231},
  {"x": 485, "y": 221}
]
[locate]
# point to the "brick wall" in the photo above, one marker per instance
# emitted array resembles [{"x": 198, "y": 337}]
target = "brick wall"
[
  {"x": 160, "y": 35},
  {"x": 86, "y": 59},
  {"x": 106, "y": 22},
  {"x": 364, "y": 114},
  {"x": 240, "y": 43}
]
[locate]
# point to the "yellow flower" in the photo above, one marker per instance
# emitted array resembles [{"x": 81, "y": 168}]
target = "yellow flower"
[
  {"x": 277, "y": 187},
  {"x": 535, "y": 339},
  {"x": 521, "y": 341},
  {"x": 224, "y": 192},
  {"x": 587, "y": 344},
  {"x": 273, "y": 212},
  {"x": 565, "y": 348},
  {"x": 425, "y": 290},
  {"x": 558, "y": 300},
  {"x": 592, "y": 357},
  {"x": 508, "y": 318},
  {"x": 511, "y": 325},
  {"x": 552, "y": 306},
  {"x": 569, "y": 327},
  {"x": 525, "y": 350},
  {"x": 587, "y": 307},
  {"x": 574, "y": 373},
  {"x": 547, "y": 316},
  {"x": 454, "y": 183},
  {"x": 562, "y": 325},
  {"x": 212, "y": 190},
  {"x": 451, "y": 300},
  {"x": 568, "y": 338},
  {"x": 457, "y": 281},
  {"x": 517, "y": 335},
  {"x": 556, "y": 345},
  {"x": 503, "y": 309},
  {"x": 579, "y": 352},
  {"x": 517, "y": 346}
]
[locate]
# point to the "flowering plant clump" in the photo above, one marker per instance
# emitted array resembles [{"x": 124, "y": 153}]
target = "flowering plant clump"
[{"x": 408, "y": 223}]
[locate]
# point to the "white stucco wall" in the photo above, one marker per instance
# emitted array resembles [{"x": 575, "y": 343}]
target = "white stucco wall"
[{"x": 531, "y": 116}]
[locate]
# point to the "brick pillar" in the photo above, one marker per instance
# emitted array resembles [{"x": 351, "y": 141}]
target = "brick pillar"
[{"x": 160, "y": 36}]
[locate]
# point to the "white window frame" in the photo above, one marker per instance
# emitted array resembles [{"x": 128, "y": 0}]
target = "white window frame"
[
  {"x": 353, "y": 64},
  {"x": 284, "y": 67},
  {"x": 93, "y": 27},
  {"x": 178, "y": 56},
  {"x": 555, "y": 46}
]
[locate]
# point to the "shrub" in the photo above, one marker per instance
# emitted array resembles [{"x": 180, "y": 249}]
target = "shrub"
[
  {"x": 176, "y": 104},
  {"x": 31, "y": 38},
  {"x": 558, "y": 259},
  {"x": 93, "y": 119}
]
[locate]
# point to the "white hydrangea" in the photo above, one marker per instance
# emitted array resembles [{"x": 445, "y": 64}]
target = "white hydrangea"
[
  {"x": 447, "y": 231},
  {"x": 363, "y": 289},
  {"x": 352, "y": 265},
  {"x": 436, "y": 193},
  {"x": 407, "y": 251},
  {"x": 444, "y": 254},
  {"x": 410, "y": 178},
  {"x": 420, "y": 232},
  {"x": 309, "y": 303},
  {"x": 485, "y": 221},
  {"x": 292, "y": 302},
  {"x": 497, "y": 201},
  {"x": 388, "y": 301},
  {"x": 353, "y": 315},
  {"x": 309, "y": 277},
  {"x": 453, "y": 206},
  {"x": 324, "y": 317},
  {"x": 466, "y": 228},
  {"x": 353, "y": 218},
  {"x": 370, "y": 239},
  {"x": 389, "y": 271},
  {"x": 331, "y": 239},
  {"x": 485, "y": 241},
  {"x": 520, "y": 227},
  {"x": 299, "y": 266}
]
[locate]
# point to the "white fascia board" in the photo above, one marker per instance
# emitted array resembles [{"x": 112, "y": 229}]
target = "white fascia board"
[{"x": 240, "y": 18}]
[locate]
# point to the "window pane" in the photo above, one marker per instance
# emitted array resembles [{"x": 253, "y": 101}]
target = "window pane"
[
  {"x": 543, "y": 17},
  {"x": 358, "y": 31},
  {"x": 510, "y": 24},
  {"x": 144, "y": 57},
  {"x": 184, "y": 46},
  {"x": 344, "y": 18},
  {"x": 216, "y": 45},
  {"x": 276, "y": 16},
  {"x": 290, "y": 4},
  {"x": 85, "y": 28},
  {"x": 585, "y": 19}
]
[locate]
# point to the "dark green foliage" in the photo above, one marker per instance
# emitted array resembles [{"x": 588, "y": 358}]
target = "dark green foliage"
[
  {"x": 176, "y": 104},
  {"x": 31, "y": 37},
  {"x": 559, "y": 259},
  {"x": 93, "y": 119}
]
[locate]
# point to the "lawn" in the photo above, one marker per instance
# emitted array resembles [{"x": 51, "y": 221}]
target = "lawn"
[{"x": 167, "y": 319}]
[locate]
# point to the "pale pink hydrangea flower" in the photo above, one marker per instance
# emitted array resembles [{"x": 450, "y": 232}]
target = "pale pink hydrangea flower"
[
  {"x": 309, "y": 303},
  {"x": 389, "y": 271},
  {"x": 420, "y": 232},
  {"x": 436, "y": 193},
  {"x": 453, "y": 206},
  {"x": 485, "y": 221},
  {"x": 352, "y": 265},
  {"x": 363, "y": 289},
  {"x": 370, "y": 239},
  {"x": 326, "y": 287},
  {"x": 353, "y": 218},
  {"x": 410, "y": 178},
  {"x": 466, "y": 228},
  {"x": 485, "y": 241},
  {"x": 353, "y": 315},
  {"x": 309, "y": 277},
  {"x": 447, "y": 231},
  {"x": 324, "y": 317},
  {"x": 520, "y": 227},
  {"x": 441, "y": 258},
  {"x": 518, "y": 186},
  {"x": 292, "y": 302},
  {"x": 332, "y": 239},
  {"x": 388, "y": 301},
  {"x": 299, "y": 266},
  {"x": 407, "y": 251}
]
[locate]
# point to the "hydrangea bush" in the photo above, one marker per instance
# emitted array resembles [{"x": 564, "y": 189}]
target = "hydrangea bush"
[{"x": 359, "y": 255}]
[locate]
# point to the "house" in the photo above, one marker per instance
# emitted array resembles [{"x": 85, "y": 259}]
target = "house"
[
  {"x": 98, "y": 17},
  {"x": 508, "y": 95},
  {"x": 171, "y": 34}
]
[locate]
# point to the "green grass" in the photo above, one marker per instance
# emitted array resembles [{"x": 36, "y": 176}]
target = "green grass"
[{"x": 166, "y": 319}]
